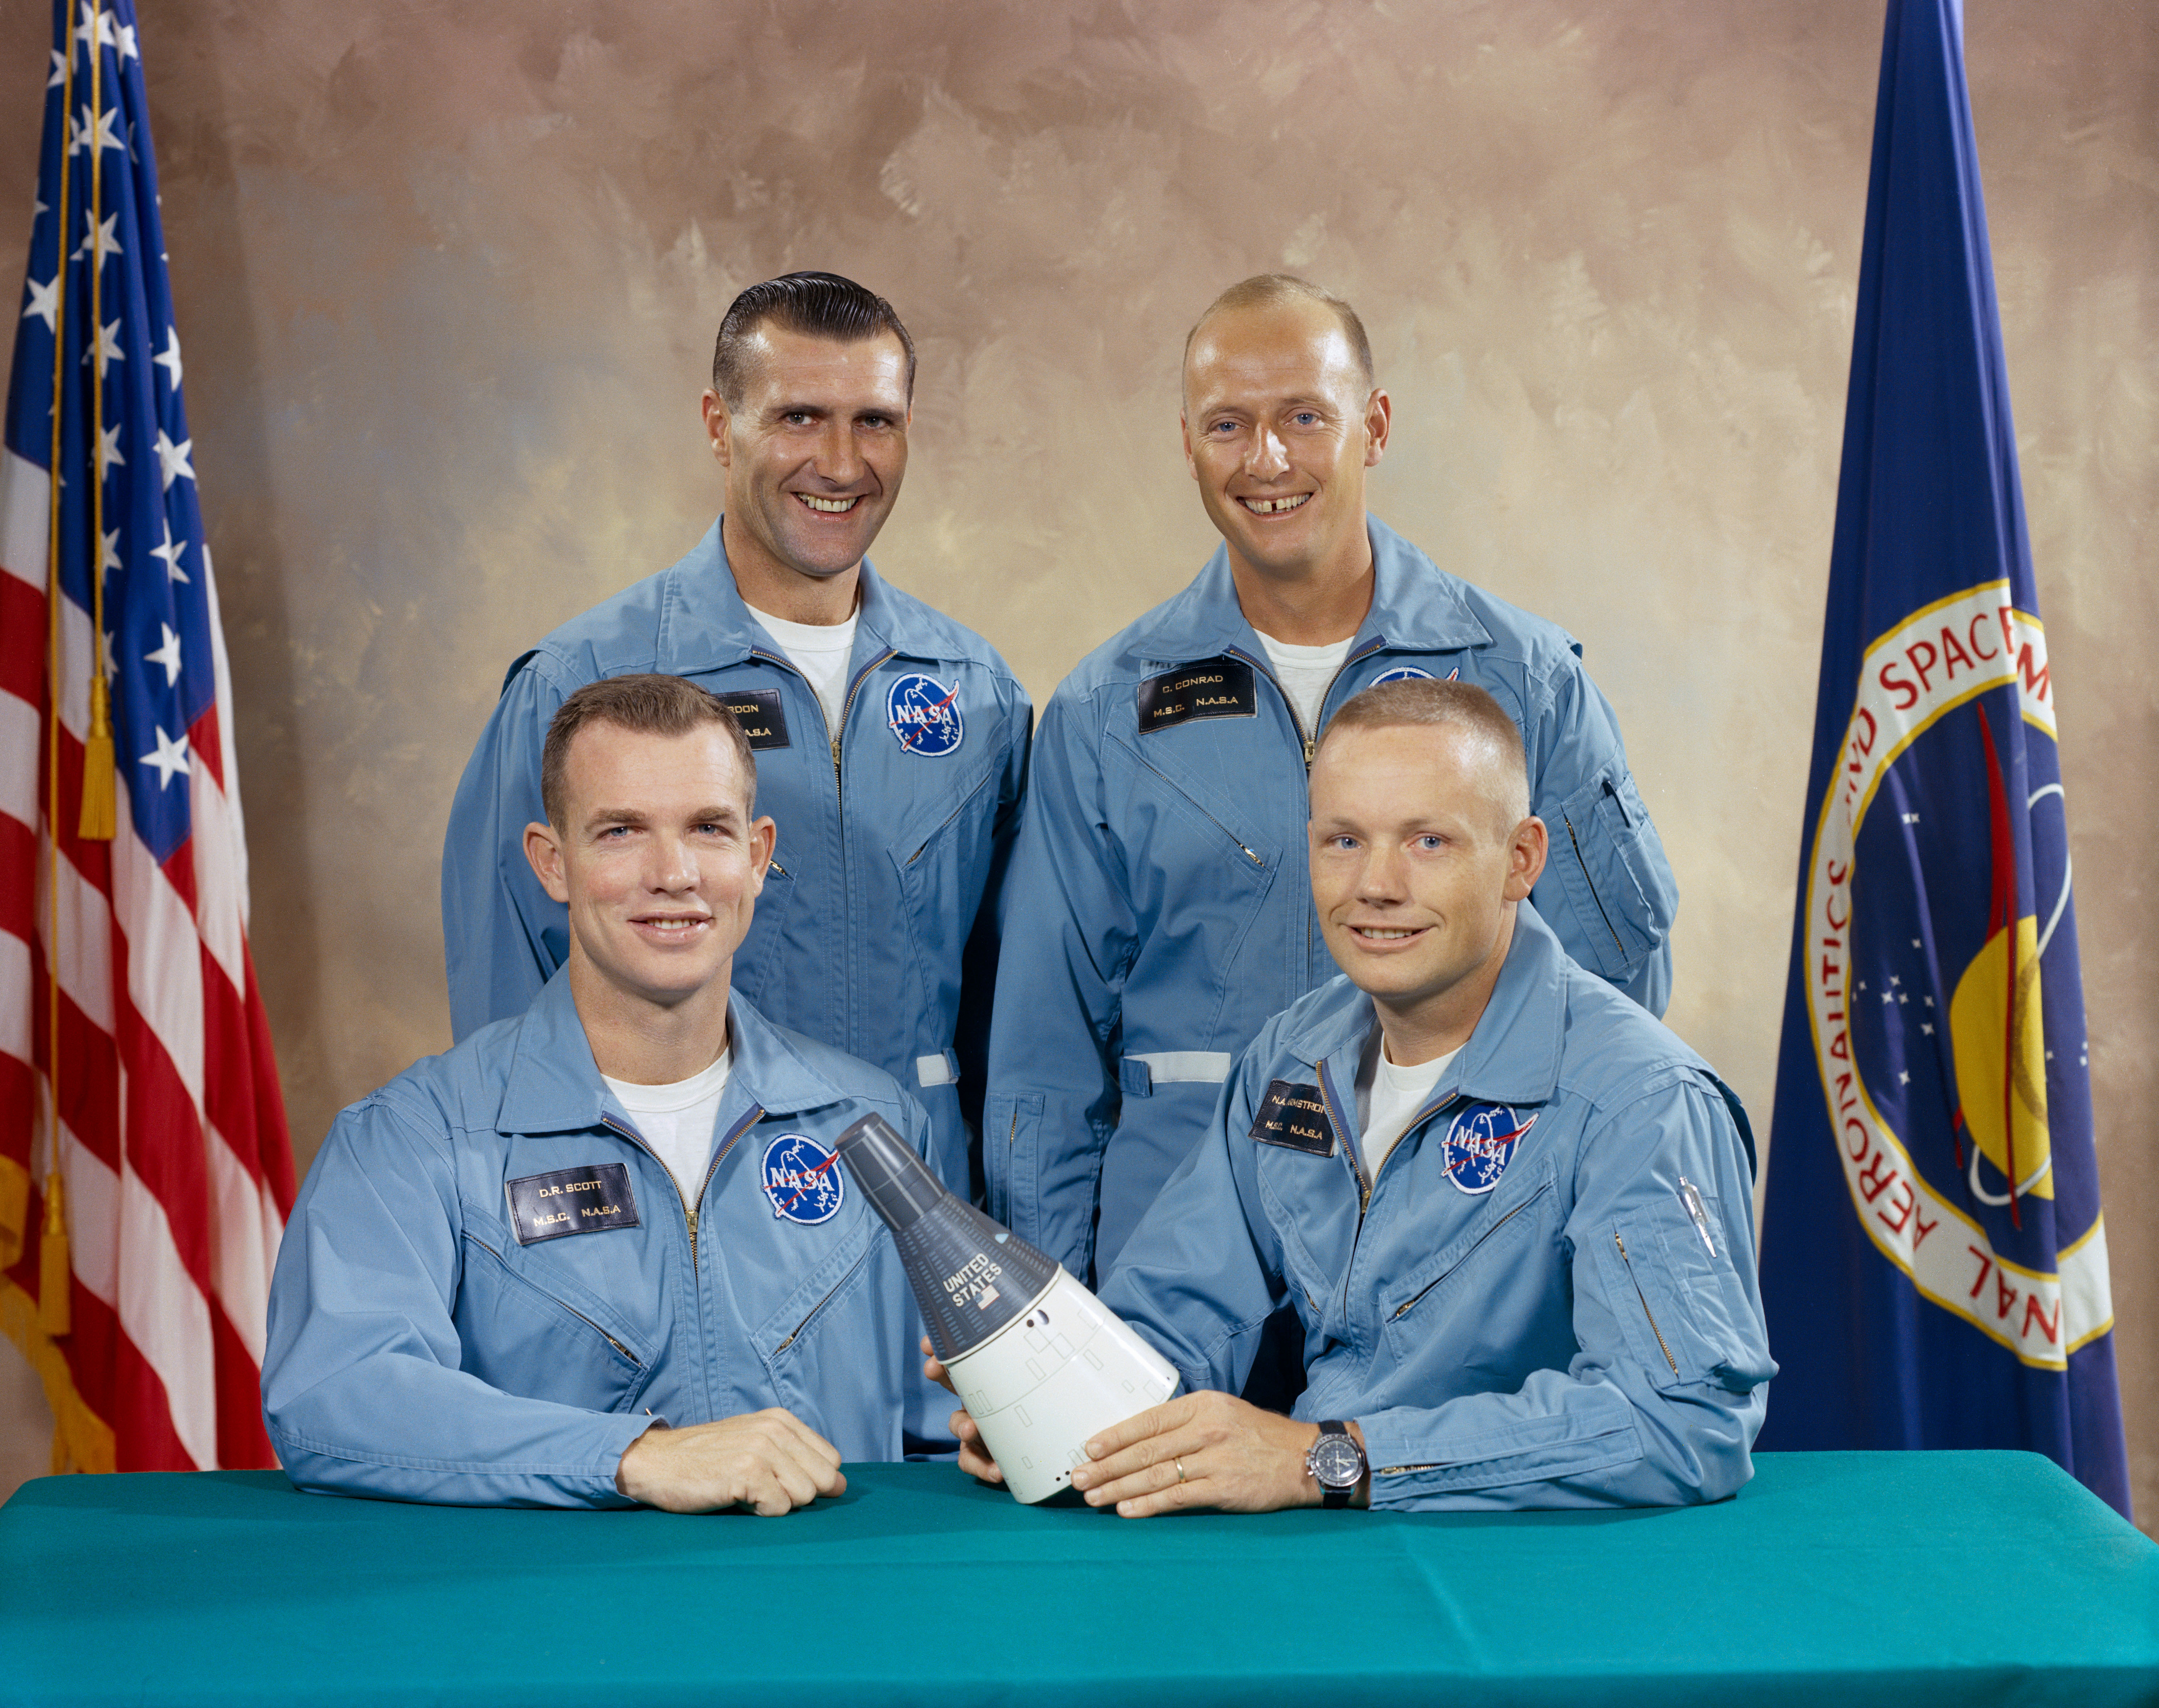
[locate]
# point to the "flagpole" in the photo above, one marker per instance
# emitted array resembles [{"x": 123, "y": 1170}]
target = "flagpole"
[
  {"x": 53, "y": 1301},
  {"x": 99, "y": 807}
]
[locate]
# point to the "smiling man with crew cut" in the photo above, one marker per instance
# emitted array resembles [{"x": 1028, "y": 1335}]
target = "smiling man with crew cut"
[
  {"x": 892, "y": 742},
  {"x": 601, "y": 1254},
  {"x": 1511, "y": 1212},
  {"x": 1167, "y": 912}
]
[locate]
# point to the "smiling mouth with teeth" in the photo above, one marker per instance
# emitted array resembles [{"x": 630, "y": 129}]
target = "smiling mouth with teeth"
[
  {"x": 1273, "y": 506},
  {"x": 1384, "y": 933},
  {"x": 829, "y": 506}
]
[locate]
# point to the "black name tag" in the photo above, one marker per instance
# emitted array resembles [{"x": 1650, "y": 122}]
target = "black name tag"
[
  {"x": 1295, "y": 1117},
  {"x": 763, "y": 718},
  {"x": 1212, "y": 687},
  {"x": 586, "y": 1200}
]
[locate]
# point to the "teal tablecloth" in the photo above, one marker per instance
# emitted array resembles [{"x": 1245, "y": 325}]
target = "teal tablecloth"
[{"x": 1836, "y": 1579}]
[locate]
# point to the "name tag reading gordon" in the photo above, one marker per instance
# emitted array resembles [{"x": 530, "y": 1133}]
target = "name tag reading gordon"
[
  {"x": 1295, "y": 1117},
  {"x": 587, "y": 1200},
  {"x": 1211, "y": 687},
  {"x": 763, "y": 718}
]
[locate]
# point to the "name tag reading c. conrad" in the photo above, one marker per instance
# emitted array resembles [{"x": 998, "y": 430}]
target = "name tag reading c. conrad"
[
  {"x": 1210, "y": 687},
  {"x": 587, "y": 1200},
  {"x": 763, "y": 718},
  {"x": 1295, "y": 1117}
]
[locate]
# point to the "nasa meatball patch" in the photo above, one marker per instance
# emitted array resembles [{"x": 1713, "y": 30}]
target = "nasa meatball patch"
[
  {"x": 1401, "y": 673},
  {"x": 924, "y": 716},
  {"x": 1480, "y": 1143},
  {"x": 803, "y": 1179}
]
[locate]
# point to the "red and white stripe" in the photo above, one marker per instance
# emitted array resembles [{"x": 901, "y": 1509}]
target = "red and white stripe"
[{"x": 171, "y": 1138}]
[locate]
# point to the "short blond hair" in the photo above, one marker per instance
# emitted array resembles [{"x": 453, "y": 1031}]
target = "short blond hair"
[{"x": 1424, "y": 702}]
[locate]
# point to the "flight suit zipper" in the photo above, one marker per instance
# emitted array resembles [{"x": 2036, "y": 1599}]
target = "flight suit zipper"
[
  {"x": 1644, "y": 1298},
  {"x": 719, "y": 1154},
  {"x": 833, "y": 738},
  {"x": 1310, "y": 741}
]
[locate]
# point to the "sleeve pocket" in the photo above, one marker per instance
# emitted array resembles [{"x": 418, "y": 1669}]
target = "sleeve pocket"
[
  {"x": 1610, "y": 863},
  {"x": 1683, "y": 1312}
]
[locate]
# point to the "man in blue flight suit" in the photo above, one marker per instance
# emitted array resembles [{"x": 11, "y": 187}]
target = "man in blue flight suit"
[
  {"x": 600, "y": 1254},
  {"x": 891, "y": 742},
  {"x": 1160, "y": 908},
  {"x": 1511, "y": 1210}
]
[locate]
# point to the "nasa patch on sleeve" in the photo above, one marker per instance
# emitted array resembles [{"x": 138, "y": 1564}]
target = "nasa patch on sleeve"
[
  {"x": 803, "y": 1179},
  {"x": 1209, "y": 687},
  {"x": 1480, "y": 1143},
  {"x": 1295, "y": 1117},
  {"x": 763, "y": 718},
  {"x": 924, "y": 716}
]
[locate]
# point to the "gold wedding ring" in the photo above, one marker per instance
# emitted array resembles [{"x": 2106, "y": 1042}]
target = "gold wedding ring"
[{"x": 1180, "y": 1470}]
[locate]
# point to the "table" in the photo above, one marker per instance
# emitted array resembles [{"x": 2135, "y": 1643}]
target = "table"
[{"x": 1840, "y": 1578}]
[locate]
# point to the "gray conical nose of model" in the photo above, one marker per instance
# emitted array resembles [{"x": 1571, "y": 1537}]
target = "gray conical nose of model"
[{"x": 970, "y": 1276}]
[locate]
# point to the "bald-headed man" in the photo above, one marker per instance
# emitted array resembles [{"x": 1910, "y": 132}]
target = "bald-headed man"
[
  {"x": 1511, "y": 1211},
  {"x": 1161, "y": 907}
]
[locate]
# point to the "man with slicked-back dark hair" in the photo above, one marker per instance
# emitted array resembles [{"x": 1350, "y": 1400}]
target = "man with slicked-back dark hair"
[{"x": 891, "y": 742}]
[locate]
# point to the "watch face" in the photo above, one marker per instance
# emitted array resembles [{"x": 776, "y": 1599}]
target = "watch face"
[{"x": 1335, "y": 1462}]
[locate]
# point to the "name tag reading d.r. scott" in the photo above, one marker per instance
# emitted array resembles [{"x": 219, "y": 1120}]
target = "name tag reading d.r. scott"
[
  {"x": 1295, "y": 1117},
  {"x": 1212, "y": 687},
  {"x": 587, "y": 1200},
  {"x": 763, "y": 718}
]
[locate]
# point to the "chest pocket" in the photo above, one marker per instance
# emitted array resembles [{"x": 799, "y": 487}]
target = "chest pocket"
[
  {"x": 527, "y": 1327},
  {"x": 1483, "y": 1296}
]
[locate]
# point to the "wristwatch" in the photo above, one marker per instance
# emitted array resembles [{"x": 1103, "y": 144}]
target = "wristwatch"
[{"x": 1337, "y": 1464}]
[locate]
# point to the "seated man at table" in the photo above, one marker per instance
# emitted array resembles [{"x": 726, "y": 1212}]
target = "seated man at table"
[
  {"x": 598, "y": 1254},
  {"x": 1512, "y": 1209}
]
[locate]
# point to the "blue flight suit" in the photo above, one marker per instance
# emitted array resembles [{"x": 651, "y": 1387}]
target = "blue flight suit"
[
  {"x": 1160, "y": 903},
  {"x": 1549, "y": 1298},
  {"x": 876, "y": 932},
  {"x": 424, "y": 1346}
]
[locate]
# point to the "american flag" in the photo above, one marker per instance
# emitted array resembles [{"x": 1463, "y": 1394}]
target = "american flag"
[{"x": 136, "y": 1231}]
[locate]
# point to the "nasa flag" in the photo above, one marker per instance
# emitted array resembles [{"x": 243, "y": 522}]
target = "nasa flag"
[{"x": 1934, "y": 1261}]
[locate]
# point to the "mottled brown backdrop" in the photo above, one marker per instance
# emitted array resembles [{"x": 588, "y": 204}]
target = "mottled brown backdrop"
[{"x": 447, "y": 277}]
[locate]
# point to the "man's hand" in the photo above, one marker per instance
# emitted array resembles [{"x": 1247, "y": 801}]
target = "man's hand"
[
  {"x": 974, "y": 1457},
  {"x": 770, "y": 1461},
  {"x": 1204, "y": 1449}
]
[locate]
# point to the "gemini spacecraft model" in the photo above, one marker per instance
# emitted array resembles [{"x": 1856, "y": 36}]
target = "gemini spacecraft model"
[{"x": 1039, "y": 1363}]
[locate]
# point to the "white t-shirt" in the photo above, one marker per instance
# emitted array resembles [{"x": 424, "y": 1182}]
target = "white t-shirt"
[
  {"x": 819, "y": 650},
  {"x": 1394, "y": 1096},
  {"x": 677, "y": 1120},
  {"x": 1305, "y": 674}
]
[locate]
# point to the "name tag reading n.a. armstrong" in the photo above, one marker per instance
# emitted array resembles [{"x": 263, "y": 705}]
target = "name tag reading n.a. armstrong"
[
  {"x": 763, "y": 718},
  {"x": 587, "y": 1200},
  {"x": 1295, "y": 1117},
  {"x": 1211, "y": 687}
]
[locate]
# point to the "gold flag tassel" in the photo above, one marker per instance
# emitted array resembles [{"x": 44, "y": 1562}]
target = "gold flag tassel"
[
  {"x": 100, "y": 808},
  {"x": 55, "y": 1272},
  {"x": 100, "y": 805}
]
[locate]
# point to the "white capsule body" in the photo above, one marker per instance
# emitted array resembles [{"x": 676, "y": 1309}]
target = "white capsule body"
[{"x": 1059, "y": 1374}]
